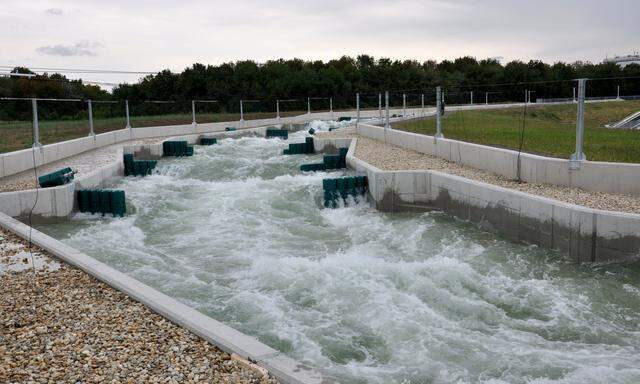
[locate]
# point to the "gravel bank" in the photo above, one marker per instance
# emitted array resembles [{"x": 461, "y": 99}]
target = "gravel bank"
[
  {"x": 60, "y": 325},
  {"x": 82, "y": 163},
  {"x": 391, "y": 158}
]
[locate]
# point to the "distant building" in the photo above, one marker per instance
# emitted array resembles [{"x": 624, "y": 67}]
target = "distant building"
[{"x": 623, "y": 61}]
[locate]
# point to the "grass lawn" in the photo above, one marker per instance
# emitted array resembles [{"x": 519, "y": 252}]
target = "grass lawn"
[
  {"x": 16, "y": 135},
  {"x": 549, "y": 130}
]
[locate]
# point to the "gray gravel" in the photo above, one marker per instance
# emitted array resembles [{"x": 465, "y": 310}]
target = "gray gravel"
[
  {"x": 392, "y": 158},
  {"x": 60, "y": 325}
]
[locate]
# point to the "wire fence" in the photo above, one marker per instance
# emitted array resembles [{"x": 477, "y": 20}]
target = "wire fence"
[{"x": 538, "y": 118}]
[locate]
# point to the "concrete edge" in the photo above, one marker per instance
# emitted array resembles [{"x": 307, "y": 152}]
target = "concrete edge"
[
  {"x": 222, "y": 336},
  {"x": 623, "y": 178},
  {"x": 584, "y": 234}
]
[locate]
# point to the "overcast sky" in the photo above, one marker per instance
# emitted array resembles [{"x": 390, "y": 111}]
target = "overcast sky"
[{"x": 150, "y": 35}]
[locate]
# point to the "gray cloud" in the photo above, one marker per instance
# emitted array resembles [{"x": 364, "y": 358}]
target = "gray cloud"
[
  {"x": 53, "y": 11},
  {"x": 83, "y": 48}
]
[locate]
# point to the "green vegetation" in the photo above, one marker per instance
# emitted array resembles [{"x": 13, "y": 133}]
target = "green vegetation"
[
  {"x": 548, "y": 130},
  {"x": 17, "y": 135}
]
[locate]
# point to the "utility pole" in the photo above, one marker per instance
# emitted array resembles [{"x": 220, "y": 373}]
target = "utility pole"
[
  {"x": 438, "y": 113},
  {"x": 126, "y": 111},
  {"x": 380, "y": 106},
  {"x": 308, "y": 105},
  {"x": 422, "y": 103},
  {"x": 193, "y": 112},
  {"x": 241, "y": 112},
  {"x": 404, "y": 105},
  {"x": 90, "y": 110},
  {"x": 471, "y": 97},
  {"x": 36, "y": 127},
  {"x": 578, "y": 155},
  {"x": 357, "y": 109},
  {"x": 387, "y": 126},
  {"x": 278, "y": 109}
]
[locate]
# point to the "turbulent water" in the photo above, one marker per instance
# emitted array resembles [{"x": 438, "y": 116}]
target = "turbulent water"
[{"x": 237, "y": 232}]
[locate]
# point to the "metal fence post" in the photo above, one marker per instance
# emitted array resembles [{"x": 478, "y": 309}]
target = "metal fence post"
[
  {"x": 193, "y": 112},
  {"x": 486, "y": 98},
  {"x": 380, "y": 107},
  {"x": 331, "y": 107},
  {"x": 422, "y": 104},
  {"x": 278, "y": 109},
  {"x": 308, "y": 105},
  {"x": 438, "y": 113},
  {"x": 36, "y": 127},
  {"x": 578, "y": 155},
  {"x": 404, "y": 105},
  {"x": 471, "y": 97},
  {"x": 618, "y": 93},
  {"x": 90, "y": 110},
  {"x": 387, "y": 126},
  {"x": 126, "y": 111},
  {"x": 574, "y": 94},
  {"x": 357, "y": 109},
  {"x": 241, "y": 112}
]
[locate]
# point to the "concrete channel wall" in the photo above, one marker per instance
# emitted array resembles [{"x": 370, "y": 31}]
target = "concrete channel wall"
[
  {"x": 585, "y": 234},
  {"x": 224, "y": 337},
  {"x": 592, "y": 175},
  {"x": 59, "y": 202}
]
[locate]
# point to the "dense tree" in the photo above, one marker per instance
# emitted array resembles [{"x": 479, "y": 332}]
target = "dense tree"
[{"x": 339, "y": 78}]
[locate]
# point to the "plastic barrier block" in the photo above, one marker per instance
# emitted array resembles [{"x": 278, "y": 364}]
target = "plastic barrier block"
[
  {"x": 83, "y": 200},
  {"x": 105, "y": 202},
  {"x": 94, "y": 201},
  {"x": 330, "y": 185},
  {"x": 54, "y": 179},
  {"x": 309, "y": 147},
  {"x": 208, "y": 141},
  {"x": 188, "y": 151},
  {"x": 118, "y": 205},
  {"x": 228, "y": 129},
  {"x": 344, "y": 118}
]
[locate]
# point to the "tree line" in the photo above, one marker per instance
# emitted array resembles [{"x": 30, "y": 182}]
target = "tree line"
[{"x": 339, "y": 79}]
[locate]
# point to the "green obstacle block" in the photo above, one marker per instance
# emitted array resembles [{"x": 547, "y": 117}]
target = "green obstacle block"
[
  {"x": 105, "y": 202},
  {"x": 312, "y": 131},
  {"x": 83, "y": 200},
  {"x": 308, "y": 144},
  {"x": 229, "y": 129},
  {"x": 286, "y": 151},
  {"x": 118, "y": 205},
  {"x": 282, "y": 133},
  {"x": 188, "y": 151},
  {"x": 351, "y": 186},
  {"x": 330, "y": 184},
  {"x": 208, "y": 141},
  {"x": 331, "y": 161},
  {"x": 54, "y": 179},
  {"x": 94, "y": 201},
  {"x": 344, "y": 118}
]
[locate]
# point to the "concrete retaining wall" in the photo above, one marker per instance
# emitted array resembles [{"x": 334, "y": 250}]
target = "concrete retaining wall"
[
  {"x": 592, "y": 175},
  {"x": 215, "y": 332},
  {"x": 585, "y": 234}
]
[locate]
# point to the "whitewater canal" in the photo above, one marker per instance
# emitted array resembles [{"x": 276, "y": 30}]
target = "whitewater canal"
[{"x": 239, "y": 233}]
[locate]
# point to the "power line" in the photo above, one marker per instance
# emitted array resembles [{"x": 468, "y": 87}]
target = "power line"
[{"x": 72, "y": 70}]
